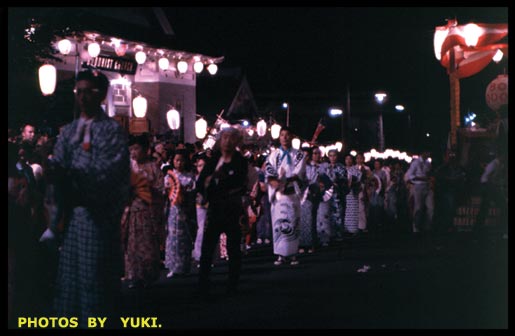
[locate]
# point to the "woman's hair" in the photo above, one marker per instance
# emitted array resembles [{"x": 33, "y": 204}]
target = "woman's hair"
[{"x": 141, "y": 140}]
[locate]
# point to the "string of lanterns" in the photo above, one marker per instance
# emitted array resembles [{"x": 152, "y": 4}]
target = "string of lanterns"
[{"x": 89, "y": 45}]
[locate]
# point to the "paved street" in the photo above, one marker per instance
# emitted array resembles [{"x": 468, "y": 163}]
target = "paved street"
[{"x": 412, "y": 282}]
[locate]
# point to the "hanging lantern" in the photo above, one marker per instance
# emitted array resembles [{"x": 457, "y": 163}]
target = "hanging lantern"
[
  {"x": 182, "y": 66},
  {"x": 141, "y": 57},
  {"x": 65, "y": 46},
  {"x": 295, "y": 143},
  {"x": 212, "y": 68},
  {"x": 261, "y": 128},
  {"x": 275, "y": 130},
  {"x": 139, "y": 105},
  {"x": 94, "y": 49},
  {"x": 174, "y": 119},
  {"x": 497, "y": 92},
  {"x": 201, "y": 128},
  {"x": 47, "y": 79},
  {"x": 198, "y": 67},
  {"x": 164, "y": 63}
]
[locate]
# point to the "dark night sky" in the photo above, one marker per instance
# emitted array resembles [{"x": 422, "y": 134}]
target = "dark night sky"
[{"x": 296, "y": 53}]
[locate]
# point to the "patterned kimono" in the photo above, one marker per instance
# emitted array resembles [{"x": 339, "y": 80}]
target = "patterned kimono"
[
  {"x": 351, "y": 222},
  {"x": 285, "y": 203},
  {"x": 96, "y": 190},
  {"x": 338, "y": 176},
  {"x": 309, "y": 205},
  {"x": 179, "y": 242},
  {"x": 140, "y": 225}
]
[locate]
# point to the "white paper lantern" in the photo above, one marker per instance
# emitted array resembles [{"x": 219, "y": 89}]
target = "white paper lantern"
[
  {"x": 275, "y": 130},
  {"x": 198, "y": 67},
  {"x": 164, "y": 63},
  {"x": 65, "y": 46},
  {"x": 212, "y": 68},
  {"x": 139, "y": 105},
  {"x": 94, "y": 49},
  {"x": 141, "y": 57},
  {"x": 295, "y": 143},
  {"x": 182, "y": 66},
  {"x": 261, "y": 128},
  {"x": 47, "y": 79},
  {"x": 174, "y": 119},
  {"x": 201, "y": 128}
]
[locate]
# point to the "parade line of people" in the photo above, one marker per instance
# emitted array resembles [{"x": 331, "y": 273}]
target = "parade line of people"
[{"x": 112, "y": 207}]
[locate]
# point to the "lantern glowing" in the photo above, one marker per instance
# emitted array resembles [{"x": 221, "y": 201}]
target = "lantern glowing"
[
  {"x": 139, "y": 104},
  {"x": 141, "y": 57},
  {"x": 182, "y": 66},
  {"x": 261, "y": 128},
  {"x": 212, "y": 68},
  {"x": 65, "y": 46},
  {"x": 164, "y": 63},
  {"x": 198, "y": 67},
  {"x": 201, "y": 128},
  {"x": 94, "y": 49},
  {"x": 47, "y": 79},
  {"x": 275, "y": 130},
  {"x": 174, "y": 119},
  {"x": 295, "y": 143},
  {"x": 339, "y": 146}
]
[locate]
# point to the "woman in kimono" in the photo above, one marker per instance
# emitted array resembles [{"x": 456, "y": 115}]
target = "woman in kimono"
[
  {"x": 309, "y": 204},
  {"x": 140, "y": 222},
  {"x": 351, "y": 221},
  {"x": 285, "y": 173},
  {"x": 338, "y": 176},
  {"x": 182, "y": 209}
]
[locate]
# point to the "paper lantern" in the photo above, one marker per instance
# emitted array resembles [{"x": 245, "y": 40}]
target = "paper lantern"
[
  {"x": 47, "y": 79},
  {"x": 275, "y": 130},
  {"x": 182, "y": 66},
  {"x": 139, "y": 105},
  {"x": 295, "y": 143},
  {"x": 65, "y": 46},
  {"x": 141, "y": 57},
  {"x": 94, "y": 49},
  {"x": 200, "y": 128},
  {"x": 261, "y": 128},
  {"x": 497, "y": 92},
  {"x": 174, "y": 119}
]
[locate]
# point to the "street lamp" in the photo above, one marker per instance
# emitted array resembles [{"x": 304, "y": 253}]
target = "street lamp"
[
  {"x": 287, "y": 107},
  {"x": 380, "y": 98},
  {"x": 337, "y": 112}
]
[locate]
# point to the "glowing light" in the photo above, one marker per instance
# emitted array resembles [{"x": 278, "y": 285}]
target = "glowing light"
[
  {"x": 164, "y": 63},
  {"x": 295, "y": 143},
  {"x": 65, "y": 46},
  {"x": 47, "y": 79},
  {"x": 275, "y": 130},
  {"x": 174, "y": 119},
  {"x": 182, "y": 66},
  {"x": 201, "y": 128},
  {"x": 498, "y": 56},
  {"x": 141, "y": 57},
  {"x": 198, "y": 67},
  {"x": 212, "y": 68},
  {"x": 261, "y": 128},
  {"x": 139, "y": 105},
  {"x": 93, "y": 49}
]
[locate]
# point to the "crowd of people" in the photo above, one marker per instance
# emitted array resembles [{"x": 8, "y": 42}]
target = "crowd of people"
[{"x": 112, "y": 207}]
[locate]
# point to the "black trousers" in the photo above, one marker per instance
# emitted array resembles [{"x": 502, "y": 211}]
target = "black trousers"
[{"x": 222, "y": 216}]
